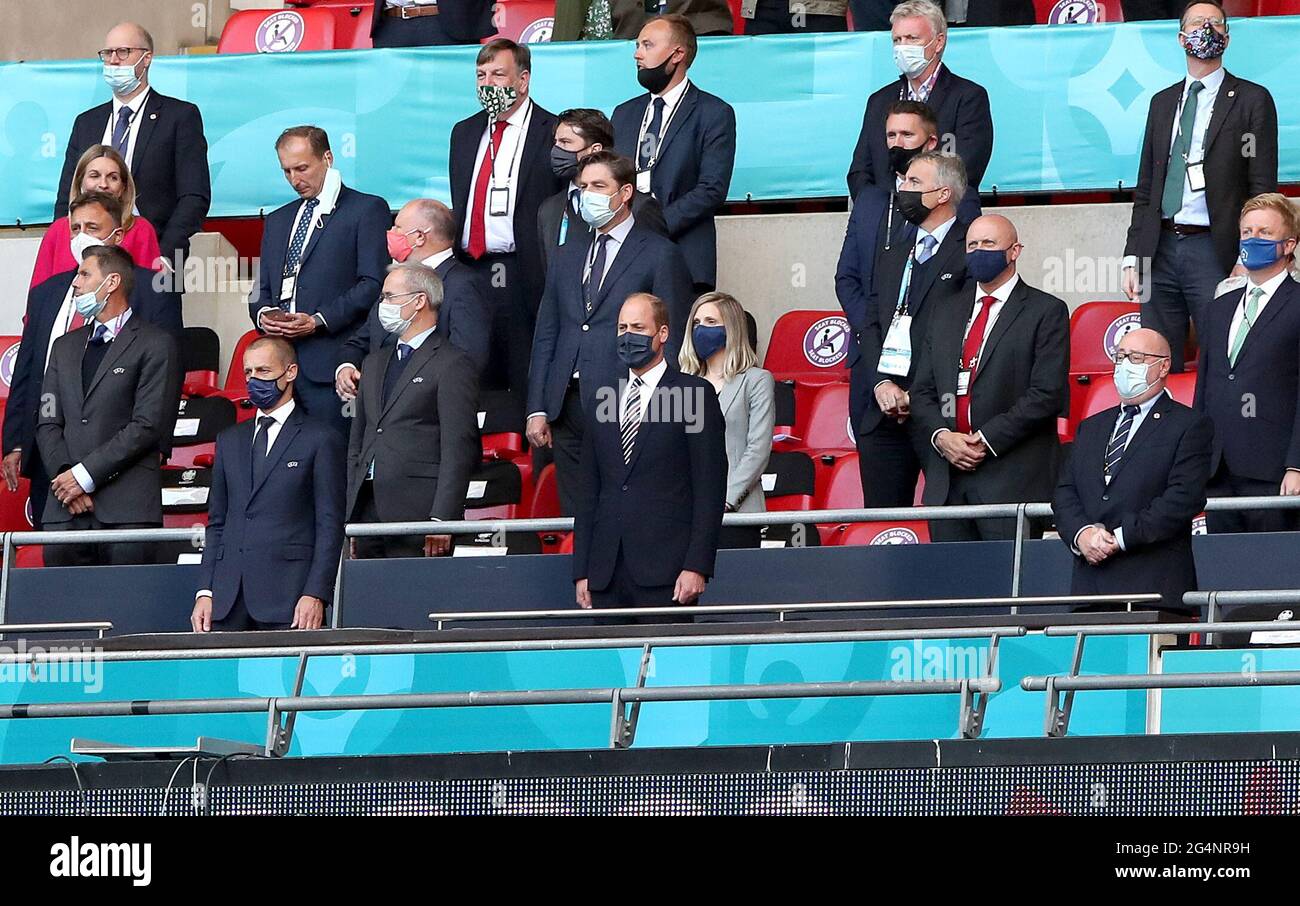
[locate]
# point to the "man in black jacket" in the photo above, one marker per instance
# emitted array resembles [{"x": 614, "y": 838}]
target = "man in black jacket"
[
  {"x": 1210, "y": 143},
  {"x": 1134, "y": 482},
  {"x": 160, "y": 137},
  {"x": 991, "y": 383},
  {"x": 962, "y": 108},
  {"x": 426, "y": 23}
]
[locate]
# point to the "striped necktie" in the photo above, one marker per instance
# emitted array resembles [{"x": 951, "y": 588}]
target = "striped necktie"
[
  {"x": 631, "y": 418},
  {"x": 1115, "y": 450}
]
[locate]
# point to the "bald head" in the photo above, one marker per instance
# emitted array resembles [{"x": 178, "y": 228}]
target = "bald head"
[
  {"x": 1144, "y": 339},
  {"x": 1152, "y": 371},
  {"x": 433, "y": 220},
  {"x": 991, "y": 241},
  {"x": 129, "y": 34},
  {"x": 995, "y": 227}
]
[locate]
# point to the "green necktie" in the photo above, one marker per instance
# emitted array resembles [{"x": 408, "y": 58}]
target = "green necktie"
[
  {"x": 1252, "y": 310},
  {"x": 1171, "y": 202}
]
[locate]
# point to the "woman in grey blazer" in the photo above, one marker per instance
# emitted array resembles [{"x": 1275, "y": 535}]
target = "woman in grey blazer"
[{"x": 716, "y": 347}]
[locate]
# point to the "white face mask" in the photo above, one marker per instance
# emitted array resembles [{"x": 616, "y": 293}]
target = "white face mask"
[
  {"x": 910, "y": 59},
  {"x": 82, "y": 241},
  {"x": 1131, "y": 379},
  {"x": 390, "y": 317}
]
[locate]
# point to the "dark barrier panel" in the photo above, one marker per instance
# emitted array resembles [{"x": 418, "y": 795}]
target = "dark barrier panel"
[{"x": 133, "y": 598}]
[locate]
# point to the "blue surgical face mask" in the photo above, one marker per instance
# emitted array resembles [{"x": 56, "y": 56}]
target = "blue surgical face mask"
[
  {"x": 708, "y": 340},
  {"x": 596, "y": 208},
  {"x": 635, "y": 350},
  {"x": 1131, "y": 379},
  {"x": 984, "y": 265},
  {"x": 121, "y": 79},
  {"x": 89, "y": 305},
  {"x": 265, "y": 392},
  {"x": 1258, "y": 253}
]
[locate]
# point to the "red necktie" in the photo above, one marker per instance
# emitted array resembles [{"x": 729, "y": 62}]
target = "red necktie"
[
  {"x": 970, "y": 351},
  {"x": 77, "y": 322},
  {"x": 478, "y": 213}
]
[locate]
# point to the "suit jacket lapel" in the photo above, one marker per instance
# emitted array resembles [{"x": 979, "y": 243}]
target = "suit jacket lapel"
[
  {"x": 282, "y": 441},
  {"x": 534, "y": 140},
  {"x": 921, "y": 282},
  {"x": 625, "y": 256},
  {"x": 730, "y": 390},
  {"x": 1146, "y": 431},
  {"x": 1223, "y": 102},
  {"x": 1011, "y": 310},
  {"x": 321, "y": 227},
  {"x": 116, "y": 349},
  {"x": 418, "y": 360},
  {"x": 149, "y": 113},
  {"x": 685, "y": 107},
  {"x": 1275, "y": 304}
]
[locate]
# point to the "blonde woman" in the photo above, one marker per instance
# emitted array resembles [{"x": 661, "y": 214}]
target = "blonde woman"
[
  {"x": 716, "y": 348},
  {"x": 100, "y": 169}
]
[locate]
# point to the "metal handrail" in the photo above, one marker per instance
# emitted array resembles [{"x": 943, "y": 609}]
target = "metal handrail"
[
  {"x": 1185, "y": 628},
  {"x": 782, "y": 609},
  {"x": 100, "y": 626}
]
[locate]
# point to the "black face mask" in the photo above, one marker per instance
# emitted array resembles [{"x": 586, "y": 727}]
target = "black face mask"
[
  {"x": 911, "y": 204},
  {"x": 901, "y": 158},
  {"x": 655, "y": 79},
  {"x": 564, "y": 164}
]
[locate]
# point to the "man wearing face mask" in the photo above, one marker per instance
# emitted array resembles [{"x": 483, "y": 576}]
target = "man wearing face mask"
[
  {"x": 573, "y": 349},
  {"x": 580, "y": 132},
  {"x": 922, "y": 272},
  {"x": 161, "y": 139},
  {"x": 1210, "y": 143},
  {"x": 275, "y": 517},
  {"x": 323, "y": 259},
  {"x": 500, "y": 173},
  {"x": 991, "y": 382},
  {"x": 683, "y": 141},
  {"x": 1248, "y": 375},
  {"x": 424, "y": 233},
  {"x": 961, "y": 108},
  {"x": 653, "y": 476},
  {"x": 109, "y": 405},
  {"x": 414, "y": 441},
  {"x": 52, "y": 312},
  {"x": 1134, "y": 482}
]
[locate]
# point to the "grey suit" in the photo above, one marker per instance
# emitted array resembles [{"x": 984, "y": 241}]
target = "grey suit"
[
  {"x": 749, "y": 409},
  {"x": 116, "y": 428},
  {"x": 423, "y": 440}
]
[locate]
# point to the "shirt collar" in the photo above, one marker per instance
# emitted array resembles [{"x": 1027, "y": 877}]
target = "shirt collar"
[
  {"x": 1145, "y": 408},
  {"x": 673, "y": 96},
  {"x": 1002, "y": 293},
  {"x": 619, "y": 233},
  {"x": 650, "y": 380},
  {"x": 136, "y": 104},
  {"x": 1211, "y": 81},
  {"x": 517, "y": 118},
  {"x": 418, "y": 340},
  {"x": 281, "y": 415},
  {"x": 1269, "y": 286},
  {"x": 438, "y": 257},
  {"x": 940, "y": 232},
  {"x": 115, "y": 325}
]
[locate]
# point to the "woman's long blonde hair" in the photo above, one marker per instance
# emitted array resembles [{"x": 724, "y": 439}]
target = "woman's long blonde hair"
[
  {"x": 739, "y": 354},
  {"x": 93, "y": 153}
]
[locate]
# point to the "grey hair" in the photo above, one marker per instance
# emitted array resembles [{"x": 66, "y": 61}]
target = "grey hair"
[
  {"x": 421, "y": 279},
  {"x": 948, "y": 170},
  {"x": 438, "y": 216},
  {"x": 923, "y": 9}
]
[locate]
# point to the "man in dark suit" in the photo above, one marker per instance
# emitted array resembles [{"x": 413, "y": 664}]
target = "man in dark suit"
[
  {"x": 922, "y": 272},
  {"x": 580, "y": 132},
  {"x": 161, "y": 139},
  {"x": 51, "y": 313},
  {"x": 414, "y": 441},
  {"x": 707, "y": 17},
  {"x": 653, "y": 477},
  {"x": 1210, "y": 143},
  {"x": 574, "y": 350},
  {"x": 110, "y": 397},
  {"x": 275, "y": 511},
  {"x": 1248, "y": 376},
  {"x": 500, "y": 173},
  {"x": 425, "y": 233},
  {"x": 683, "y": 141},
  {"x": 323, "y": 260},
  {"x": 425, "y": 23},
  {"x": 1134, "y": 482},
  {"x": 991, "y": 383},
  {"x": 961, "y": 107}
]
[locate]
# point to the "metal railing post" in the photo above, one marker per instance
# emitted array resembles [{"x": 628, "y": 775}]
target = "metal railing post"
[
  {"x": 1017, "y": 554},
  {"x": 6, "y": 551}
]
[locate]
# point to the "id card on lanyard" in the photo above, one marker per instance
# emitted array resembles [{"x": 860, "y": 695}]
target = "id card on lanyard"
[
  {"x": 499, "y": 196},
  {"x": 896, "y": 352},
  {"x": 643, "y": 175}
]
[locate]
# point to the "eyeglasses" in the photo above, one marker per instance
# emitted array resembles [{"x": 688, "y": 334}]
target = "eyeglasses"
[
  {"x": 1202, "y": 21},
  {"x": 120, "y": 53},
  {"x": 387, "y": 298},
  {"x": 1137, "y": 358}
]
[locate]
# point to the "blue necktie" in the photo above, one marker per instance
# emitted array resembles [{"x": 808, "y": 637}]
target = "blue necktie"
[
  {"x": 1115, "y": 450},
  {"x": 101, "y": 335},
  {"x": 649, "y": 149},
  {"x": 261, "y": 447},
  {"x": 927, "y": 249},
  {"x": 122, "y": 131},
  {"x": 299, "y": 237}
]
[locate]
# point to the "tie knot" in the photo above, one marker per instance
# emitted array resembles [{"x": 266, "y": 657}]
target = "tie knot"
[
  {"x": 1195, "y": 87},
  {"x": 403, "y": 350},
  {"x": 499, "y": 128},
  {"x": 602, "y": 238},
  {"x": 125, "y": 114},
  {"x": 1256, "y": 293},
  {"x": 636, "y": 383},
  {"x": 988, "y": 301},
  {"x": 311, "y": 203},
  {"x": 660, "y": 103},
  {"x": 266, "y": 421},
  {"x": 101, "y": 334},
  {"x": 1131, "y": 411}
]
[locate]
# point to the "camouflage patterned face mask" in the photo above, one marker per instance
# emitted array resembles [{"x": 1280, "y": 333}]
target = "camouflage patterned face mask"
[{"x": 497, "y": 99}]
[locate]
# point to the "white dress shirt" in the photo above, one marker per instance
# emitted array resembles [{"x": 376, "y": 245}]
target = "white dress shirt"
[
  {"x": 672, "y": 99},
  {"x": 113, "y": 328},
  {"x": 329, "y": 198},
  {"x": 617, "y": 236},
  {"x": 137, "y": 105},
  {"x": 649, "y": 381},
  {"x": 1269, "y": 287},
  {"x": 506, "y": 166},
  {"x": 1194, "y": 210}
]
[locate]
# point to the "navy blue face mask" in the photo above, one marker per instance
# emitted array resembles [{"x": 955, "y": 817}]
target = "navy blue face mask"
[
  {"x": 635, "y": 350},
  {"x": 984, "y": 265},
  {"x": 265, "y": 392},
  {"x": 708, "y": 339}
]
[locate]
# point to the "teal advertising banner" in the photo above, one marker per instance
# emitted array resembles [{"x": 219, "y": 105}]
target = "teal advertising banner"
[{"x": 1069, "y": 104}]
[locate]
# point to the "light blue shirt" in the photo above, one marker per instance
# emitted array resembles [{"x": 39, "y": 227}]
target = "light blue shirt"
[{"x": 1194, "y": 210}]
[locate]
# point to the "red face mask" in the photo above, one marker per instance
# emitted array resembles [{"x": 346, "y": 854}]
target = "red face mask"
[{"x": 399, "y": 247}]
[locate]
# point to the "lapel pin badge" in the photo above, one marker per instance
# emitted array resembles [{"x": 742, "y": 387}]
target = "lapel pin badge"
[
  {"x": 1232, "y": 94},
  {"x": 1155, "y": 414},
  {"x": 153, "y": 116},
  {"x": 945, "y": 276},
  {"x": 119, "y": 371},
  {"x": 417, "y": 380},
  {"x": 293, "y": 463}
]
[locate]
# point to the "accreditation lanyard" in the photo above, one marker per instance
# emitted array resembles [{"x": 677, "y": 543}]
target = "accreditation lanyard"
[
  {"x": 663, "y": 130},
  {"x": 496, "y": 208}
]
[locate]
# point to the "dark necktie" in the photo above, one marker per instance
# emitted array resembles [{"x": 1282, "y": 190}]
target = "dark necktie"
[
  {"x": 261, "y": 446},
  {"x": 592, "y": 287},
  {"x": 970, "y": 352},
  {"x": 631, "y": 418},
  {"x": 649, "y": 149},
  {"x": 299, "y": 237},
  {"x": 395, "y": 367},
  {"x": 1115, "y": 450},
  {"x": 122, "y": 130},
  {"x": 1171, "y": 201},
  {"x": 91, "y": 359}
]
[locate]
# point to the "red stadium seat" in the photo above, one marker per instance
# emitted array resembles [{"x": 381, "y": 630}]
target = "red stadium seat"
[
  {"x": 546, "y": 495},
  {"x": 1095, "y": 330},
  {"x": 8, "y": 358},
  {"x": 352, "y": 20},
  {"x": 1274, "y": 8},
  {"x": 827, "y": 426},
  {"x": 1076, "y": 12},
  {"x": 870, "y": 533},
  {"x": 1102, "y": 396},
  {"x": 809, "y": 346},
  {"x": 844, "y": 490},
  {"x": 524, "y": 21},
  {"x": 277, "y": 31}
]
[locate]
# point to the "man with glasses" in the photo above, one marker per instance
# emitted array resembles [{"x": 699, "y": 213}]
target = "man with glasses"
[
  {"x": 1134, "y": 483},
  {"x": 160, "y": 137},
  {"x": 1211, "y": 143}
]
